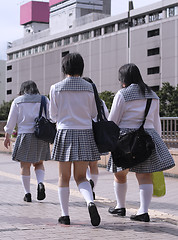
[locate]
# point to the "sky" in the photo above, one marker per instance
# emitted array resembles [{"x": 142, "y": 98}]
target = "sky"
[{"x": 11, "y": 30}]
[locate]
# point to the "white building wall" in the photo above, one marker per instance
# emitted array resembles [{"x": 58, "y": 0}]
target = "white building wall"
[{"x": 2, "y": 80}]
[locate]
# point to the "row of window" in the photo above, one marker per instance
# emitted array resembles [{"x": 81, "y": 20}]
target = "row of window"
[
  {"x": 150, "y": 71},
  {"x": 67, "y": 40},
  {"x": 172, "y": 11}
]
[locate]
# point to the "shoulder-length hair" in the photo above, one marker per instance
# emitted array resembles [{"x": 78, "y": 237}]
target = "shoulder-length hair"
[
  {"x": 73, "y": 64},
  {"x": 29, "y": 87},
  {"x": 130, "y": 73}
]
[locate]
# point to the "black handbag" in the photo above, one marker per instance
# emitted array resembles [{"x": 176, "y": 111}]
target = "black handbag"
[
  {"x": 44, "y": 129},
  {"x": 133, "y": 147},
  {"x": 105, "y": 132}
]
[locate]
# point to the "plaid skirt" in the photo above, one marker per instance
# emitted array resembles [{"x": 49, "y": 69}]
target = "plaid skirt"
[
  {"x": 30, "y": 149},
  {"x": 159, "y": 160},
  {"x": 75, "y": 145}
]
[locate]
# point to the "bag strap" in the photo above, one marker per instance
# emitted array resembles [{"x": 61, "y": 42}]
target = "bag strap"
[
  {"x": 148, "y": 104},
  {"x": 101, "y": 114},
  {"x": 42, "y": 106}
]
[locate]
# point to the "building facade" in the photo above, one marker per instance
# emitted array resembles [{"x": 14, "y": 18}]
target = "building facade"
[
  {"x": 103, "y": 42},
  {"x": 2, "y": 80}
]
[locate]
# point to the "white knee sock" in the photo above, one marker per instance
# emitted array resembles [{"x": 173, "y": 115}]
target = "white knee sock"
[
  {"x": 146, "y": 191},
  {"x": 88, "y": 176},
  {"x": 40, "y": 175},
  {"x": 120, "y": 190},
  {"x": 26, "y": 183},
  {"x": 63, "y": 193},
  {"x": 86, "y": 191},
  {"x": 94, "y": 177}
]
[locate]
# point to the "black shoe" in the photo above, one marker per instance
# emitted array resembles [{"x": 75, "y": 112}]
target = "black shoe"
[
  {"x": 64, "y": 220},
  {"x": 27, "y": 197},
  {"x": 94, "y": 215},
  {"x": 118, "y": 211},
  {"x": 142, "y": 217},
  {"x": 41, "y": 191},
  {"x": 92, "y": 186}
]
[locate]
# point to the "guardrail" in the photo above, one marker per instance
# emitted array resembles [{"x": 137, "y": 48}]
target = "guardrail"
[{"x": 170, "y": 131}]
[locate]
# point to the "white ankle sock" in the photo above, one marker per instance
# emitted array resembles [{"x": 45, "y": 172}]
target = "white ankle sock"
[
  {"x": 94, "y": 178},
  {"x": 40, "y": 175},
  {"x": 146, "y": 191},
  {"x": 120, "y": 190},
  {"x": 63, "y": 193},
  {"x": 26, "y": 183},
  {"x": 86, "y": 191}
]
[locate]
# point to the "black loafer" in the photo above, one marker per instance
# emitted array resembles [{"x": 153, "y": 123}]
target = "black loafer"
[
  {"x": 118, "y": 211},
  {"x": 41, "y": 191},
  {"x": 94, "y": 215},
  {"x": 142, "y": 217},
  {"x": 64, "y": 220},
  {"x": 27, "y": 197}
]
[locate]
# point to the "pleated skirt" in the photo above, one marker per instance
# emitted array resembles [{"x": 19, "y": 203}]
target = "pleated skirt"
[
  {"x": 30, "y": 149},
  {"x": 75, "y": 145},
  {"x": 159, "y": 160}
]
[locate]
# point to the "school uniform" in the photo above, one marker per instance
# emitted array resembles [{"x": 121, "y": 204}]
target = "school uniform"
[
  {"x": 127, "y": 112},
  {"x": 28, "y": 148},
  {"x": 72, "y": 106}
]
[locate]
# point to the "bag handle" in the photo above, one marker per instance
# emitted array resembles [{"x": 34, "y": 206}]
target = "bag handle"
[
  {"x": 148, "y": 104},
  {"x": 42, "y": 106},
  {"x": 101, "y": 114}
]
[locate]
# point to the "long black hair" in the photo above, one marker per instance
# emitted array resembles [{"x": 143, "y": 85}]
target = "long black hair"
[
  {"x": 130, "y": 73},
  {"x": 29, "y": 87}
]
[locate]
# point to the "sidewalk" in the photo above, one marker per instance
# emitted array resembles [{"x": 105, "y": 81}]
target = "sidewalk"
[{"x": 38, "y": 220}]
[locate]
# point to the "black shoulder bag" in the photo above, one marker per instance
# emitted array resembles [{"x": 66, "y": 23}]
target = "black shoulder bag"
[
  {"x": 105, "y": 132},
  {"x": 134, "y": 147},
  {"x": 44, "y": 129}
]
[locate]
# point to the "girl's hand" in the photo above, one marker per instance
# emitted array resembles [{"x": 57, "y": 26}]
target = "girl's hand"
[{"x": 7, "y": 140}]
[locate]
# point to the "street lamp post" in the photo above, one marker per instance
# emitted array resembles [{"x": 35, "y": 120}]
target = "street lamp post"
[{"x": 130, "y": 7}]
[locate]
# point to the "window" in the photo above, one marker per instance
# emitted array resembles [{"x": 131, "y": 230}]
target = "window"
[
  {"x": 29, "y": 51},
  {"x": 85, "y": 35},
  {"x": 9, "y": 67},
  {"x": 36, "y": 49},
  {"x": 9, "y": 92},
  {"x": 122, "y": 25},
  {"x": 50, "y": 45},
  {"x": 75, "y": 38},
  {"x": 153, "y": 33},
  {"x": 152, "y": 70},
  {"x": 23, "y": 53},
  {"x": 10, "y": 56},
  {"x": 97, "y": 32},
  {"x": 16, "y": 55},
  {"x": 155, "y": 16},
  {"x": 43, "y": 48},
  {"x": 9, "y": 79},
  {"x": 138, "y": 21},
  {"x": 171, "y": 12},
  {"x": 109, "y": 29},
  {"x": 153, "y": 51},
  {"x": 65, "y": 53},
  {"x": 59, "y": 43},
  {"x": 66, "y": 41}
]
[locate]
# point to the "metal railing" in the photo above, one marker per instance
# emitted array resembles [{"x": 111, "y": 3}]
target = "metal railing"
[{"x": 170, "y": 131}]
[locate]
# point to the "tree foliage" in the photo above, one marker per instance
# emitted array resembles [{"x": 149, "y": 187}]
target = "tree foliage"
[
  {"x": 168, "y": 100},
  {"x": 107, "y": 96},
  {"x": 4, "y": 110}
]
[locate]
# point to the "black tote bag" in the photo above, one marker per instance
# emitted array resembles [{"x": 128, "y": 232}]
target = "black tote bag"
[{"x": 105, "y": 132}]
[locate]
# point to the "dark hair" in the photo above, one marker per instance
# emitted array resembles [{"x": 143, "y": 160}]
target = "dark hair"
[
  {"x": 88, "y": 79},
  {"x": 73, "y": 64},
  {"x": 28, "y": 87},
  {"x": 130, "y": 73}
]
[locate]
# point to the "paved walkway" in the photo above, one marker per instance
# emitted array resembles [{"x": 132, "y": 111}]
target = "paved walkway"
[{"x": 38, "y": 220}]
